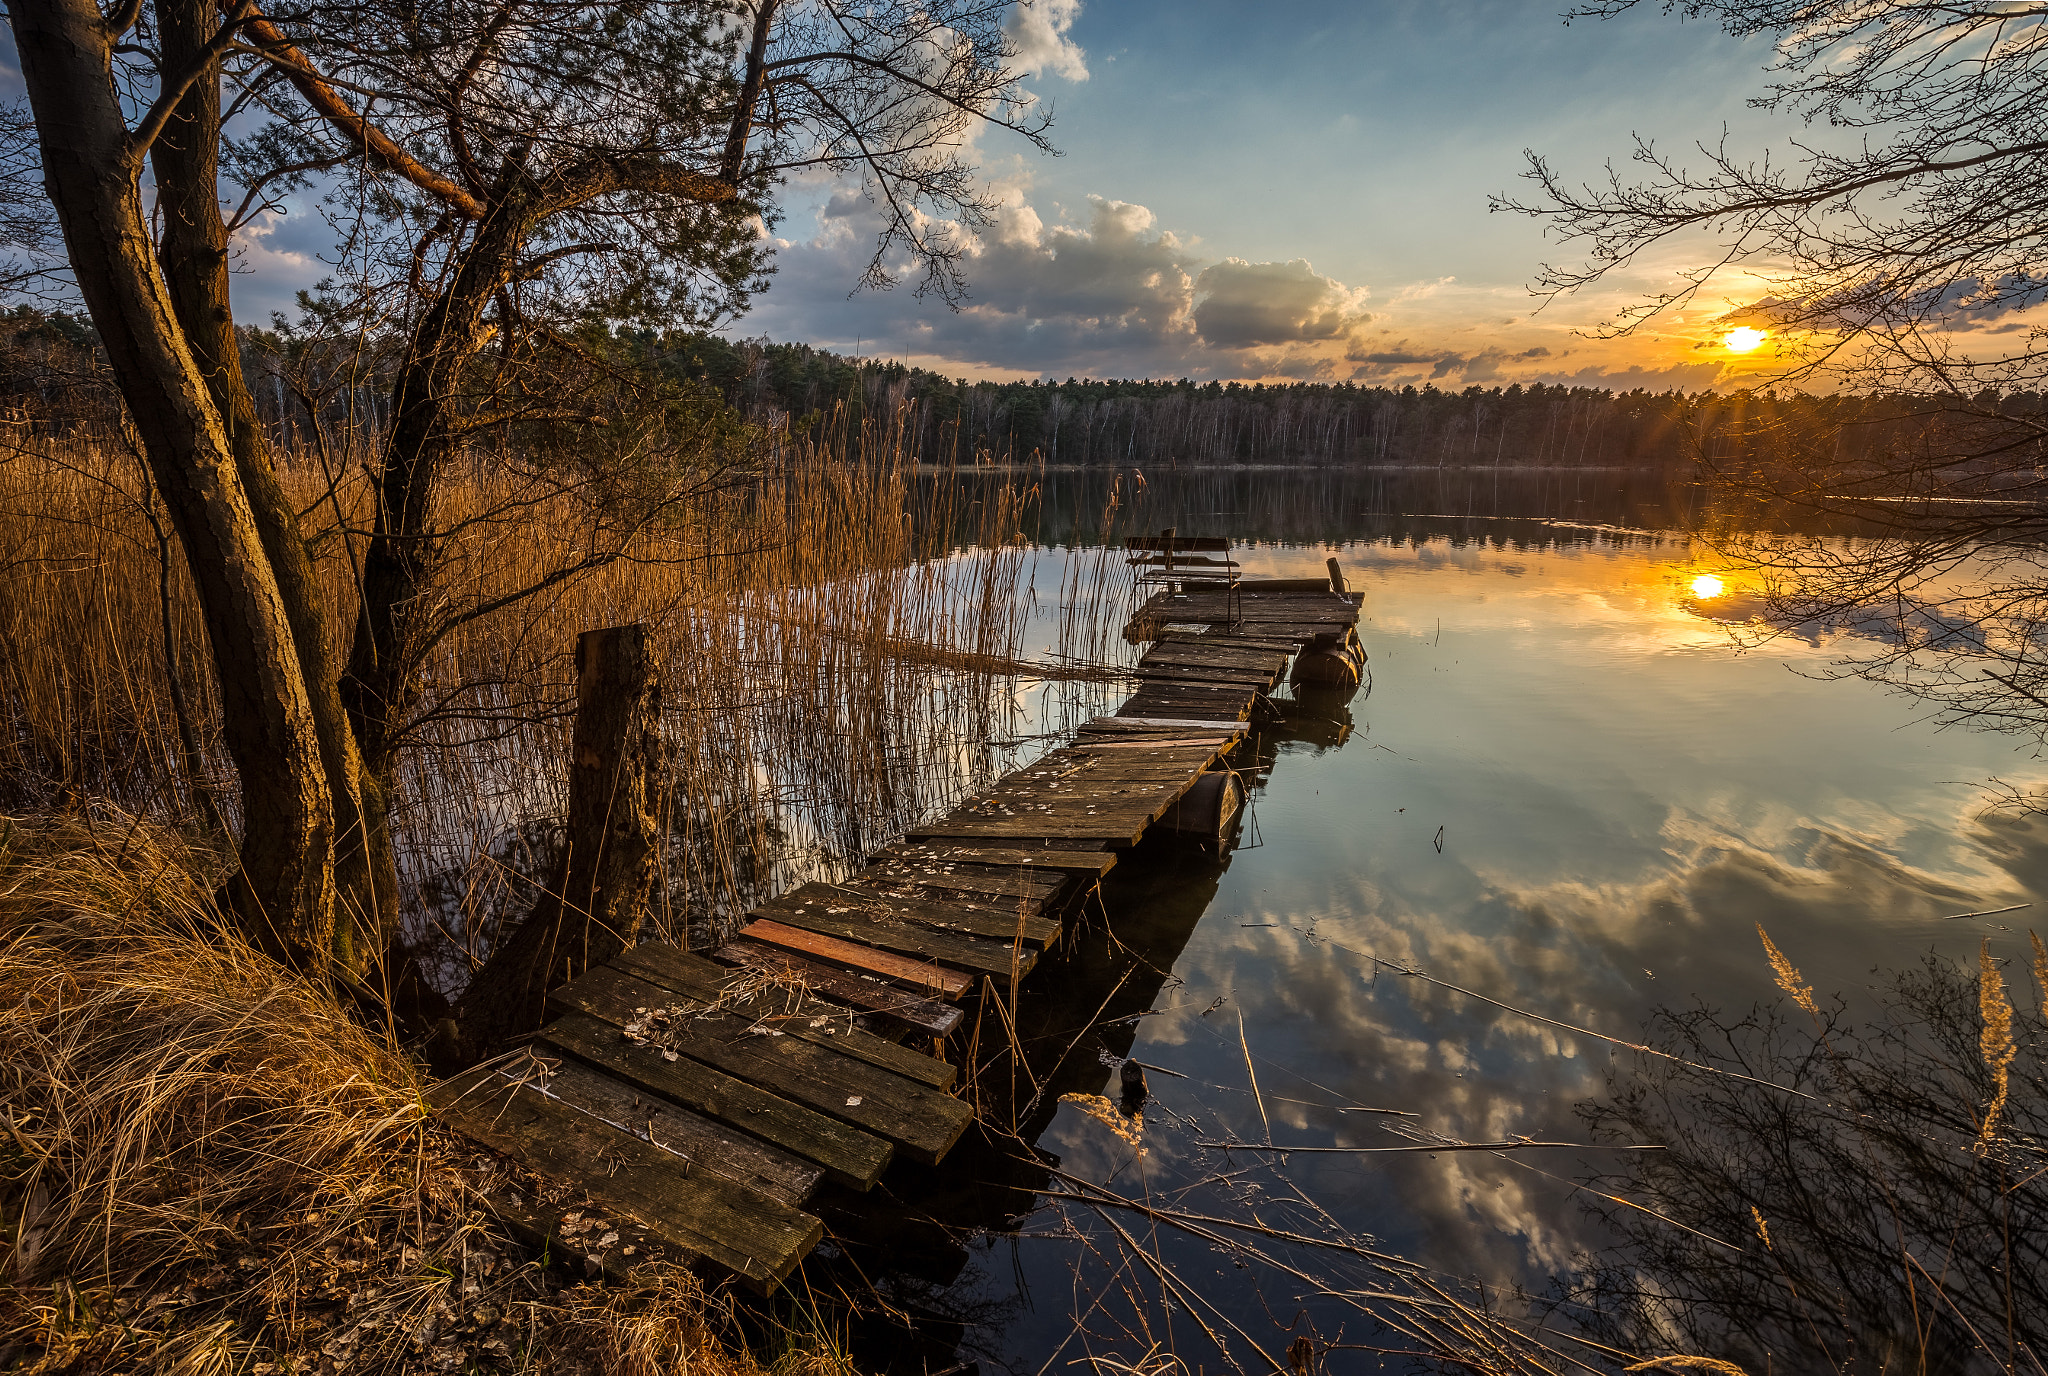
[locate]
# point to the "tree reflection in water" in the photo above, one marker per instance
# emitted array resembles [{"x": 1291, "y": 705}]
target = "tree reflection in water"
[{"x": 1853, "y": 1222}]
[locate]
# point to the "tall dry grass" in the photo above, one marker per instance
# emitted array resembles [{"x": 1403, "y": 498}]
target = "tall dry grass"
[
  {"x": 835, "y": 628},
  {"x": 209, "y": 1166}
]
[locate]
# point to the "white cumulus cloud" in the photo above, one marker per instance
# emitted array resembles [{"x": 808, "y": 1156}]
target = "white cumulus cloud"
[{"x": 1039, "y": 28}]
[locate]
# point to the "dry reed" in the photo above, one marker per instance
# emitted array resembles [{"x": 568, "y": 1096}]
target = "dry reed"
[
  {"x": 836, "y": 631},
  {"x": 211, "y": 1167}
]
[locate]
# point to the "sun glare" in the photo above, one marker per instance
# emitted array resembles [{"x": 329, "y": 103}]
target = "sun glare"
[
  {"x": 1707, "y": 586},
  {"x": 1742, "y": 339}
]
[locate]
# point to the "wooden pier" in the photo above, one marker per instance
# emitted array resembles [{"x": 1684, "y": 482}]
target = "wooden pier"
[{"x": 691, "y": 1107}]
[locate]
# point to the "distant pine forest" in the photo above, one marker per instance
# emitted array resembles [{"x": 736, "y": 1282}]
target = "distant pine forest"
[
  {"x": 1100, "y": 422},
  {"x": 50, "y": 371}
]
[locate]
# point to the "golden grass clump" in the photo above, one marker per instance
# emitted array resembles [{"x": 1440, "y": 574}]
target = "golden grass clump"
[
  {"x": 2040, "y": 970},
  {"x": 210, "y": 1166},
  {"x": 1994, "y": 1042},
  {"x": 1787, "y": 975}
]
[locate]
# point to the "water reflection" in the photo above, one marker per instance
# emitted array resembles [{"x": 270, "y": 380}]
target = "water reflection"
[{"x": 1574, "y": 790}]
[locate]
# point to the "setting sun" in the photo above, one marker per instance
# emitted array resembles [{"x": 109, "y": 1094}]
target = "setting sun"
[
  {"x": 1742, "y": 339},
  {"x": 1706, "y": 586}
]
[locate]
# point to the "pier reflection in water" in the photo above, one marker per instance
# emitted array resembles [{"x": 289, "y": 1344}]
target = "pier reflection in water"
[{"x": 1573, "y": 789}]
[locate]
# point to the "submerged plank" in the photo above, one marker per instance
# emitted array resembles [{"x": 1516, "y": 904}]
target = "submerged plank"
[{"x": 849, "y": 1156}]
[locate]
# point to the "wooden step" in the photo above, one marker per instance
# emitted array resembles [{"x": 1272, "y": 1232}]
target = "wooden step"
[
  {"x": 876, "y": 995},
  {"x": 1089, "y": 864},
  {"x": 983, "y": 883},
  {"x": 849, "y": 1156},
  {"x": 707, "y": 1145},
  {"x": 1016, "y": 920},
  {"x": 919, "y": 1119},
  {"x": 698, "y": 1214},
  {"x": 871, "y": 928},
  {"x": 1189, "y": 723},
  {"x": 854, "y": 955},
  {"x": 705, "y": 983}
]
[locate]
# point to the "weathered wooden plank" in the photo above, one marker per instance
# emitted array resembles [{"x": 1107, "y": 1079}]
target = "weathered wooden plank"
[
  {"x": 849, "y": 1156},
  {"x": 873, "y": 929},
  {"x": 698, "y": 1213},
  {"x": 1224, "y": 640},
  {"x": 917, "y": 974},
  {"x": 1154, "y": 742},
  {"x": 991, "y": 881},
  {"x": 1141, "y": 786},
  {"x": 1162, "y": 691},
  {"x": 825, "y": 1024},
  {"x": 1117, "y": 723},
  {"x": 1157, "y": 709},
  {"x": 707, "y": 1145},
  {"x": 1120, "y": 832},
  {"x": 918, "y": 1118},
  {"x": 991, "y": 918},
  {"x": 1222, "y": 678},
  {"x": 1167, "y": 689},
  {"x": 1202, "y": 650},
  {"x": 1171, "y": 543},
  {"x": 871, "y": 992},
  {"x": 1090, "y": 864}
]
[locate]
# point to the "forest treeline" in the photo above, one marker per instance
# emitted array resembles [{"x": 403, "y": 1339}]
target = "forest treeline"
[{"x": 48, "y": 371}]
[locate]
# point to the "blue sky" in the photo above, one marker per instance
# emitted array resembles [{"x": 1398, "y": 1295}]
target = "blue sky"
[
  {"x": 1290, "y": 190},
  {"x": 1296, "y": 190}
]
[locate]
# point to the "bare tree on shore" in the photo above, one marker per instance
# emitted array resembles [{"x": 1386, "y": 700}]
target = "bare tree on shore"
[{"x": 518, "y": 166}]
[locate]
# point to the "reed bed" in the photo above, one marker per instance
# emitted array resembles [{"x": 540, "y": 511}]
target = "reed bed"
[{"x": 837, "y": 630}]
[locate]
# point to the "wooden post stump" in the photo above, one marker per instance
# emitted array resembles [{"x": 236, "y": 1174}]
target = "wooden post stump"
[{"x": 598, "y": 898}]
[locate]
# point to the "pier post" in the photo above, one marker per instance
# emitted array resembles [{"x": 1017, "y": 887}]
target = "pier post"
[{"x": 593, "y": 907}]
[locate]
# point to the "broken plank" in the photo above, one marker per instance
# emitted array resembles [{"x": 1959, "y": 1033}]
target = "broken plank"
[
  {"x": 850, "y": 1156},
  {"x": 701, "y": 1214},
  {"x": 860, "y": 956}
]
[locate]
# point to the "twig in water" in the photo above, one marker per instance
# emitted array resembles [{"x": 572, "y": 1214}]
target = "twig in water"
[
  {"x": 1254, "y": 1075},
  {"x": 1988, "y": 912},
  {"x": 1430, "y": 1146}
]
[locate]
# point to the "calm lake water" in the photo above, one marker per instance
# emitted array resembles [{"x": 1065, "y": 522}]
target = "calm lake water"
[{"x": 1573, "y": 787}]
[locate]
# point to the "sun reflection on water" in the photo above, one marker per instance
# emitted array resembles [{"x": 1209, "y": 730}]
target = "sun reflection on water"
[{"x": 1707, "y": 586}]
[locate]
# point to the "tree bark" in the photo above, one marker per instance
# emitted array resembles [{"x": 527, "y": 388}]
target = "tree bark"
[
  {"x": 393, "y": 629},
  {"x": 193, "y": 254},
  {"x": 595, "y": 906},
  {"x": 283, "y": 892}
]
